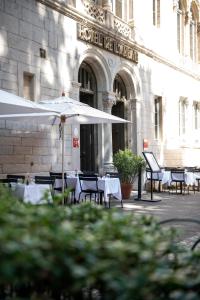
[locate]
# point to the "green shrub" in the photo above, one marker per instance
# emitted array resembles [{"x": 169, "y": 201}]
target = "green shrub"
[{"x": 87, "y": 252}]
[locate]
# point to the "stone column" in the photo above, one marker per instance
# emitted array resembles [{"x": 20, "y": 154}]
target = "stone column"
[
  {"x": 132, "y": 117},
  {"x": 187, "y": 32},
  {"x": 198, "y": 42},
  {"x": 108, "y": 101},
  {"x": 75, "y": 129}
]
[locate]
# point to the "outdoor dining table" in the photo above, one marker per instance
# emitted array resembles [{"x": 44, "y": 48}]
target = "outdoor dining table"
[
  {"x": 32, "y": 193},
  {"x": 110, "y": 186},
  {"x": 190, "y": 178}
]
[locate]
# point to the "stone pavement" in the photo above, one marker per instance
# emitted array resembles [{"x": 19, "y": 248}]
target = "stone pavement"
[{"x": 170, "y": 206}]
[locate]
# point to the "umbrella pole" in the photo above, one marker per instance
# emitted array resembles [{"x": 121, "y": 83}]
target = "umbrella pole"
[{"x": 63, "y": 118}]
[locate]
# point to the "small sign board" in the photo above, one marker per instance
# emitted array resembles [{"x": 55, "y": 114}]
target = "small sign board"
[{"x": 151, "y": 161}]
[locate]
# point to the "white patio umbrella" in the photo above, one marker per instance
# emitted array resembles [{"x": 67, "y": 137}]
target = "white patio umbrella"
[{"x": 75, "y": 112}]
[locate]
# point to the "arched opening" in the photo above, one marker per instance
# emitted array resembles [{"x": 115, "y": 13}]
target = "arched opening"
[
  {"x": 119, "y": 131},
  {"x": 88, "y": 132}
]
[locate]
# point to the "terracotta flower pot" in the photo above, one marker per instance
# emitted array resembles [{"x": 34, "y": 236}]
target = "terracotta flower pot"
[{"x": 126, "y": 189}]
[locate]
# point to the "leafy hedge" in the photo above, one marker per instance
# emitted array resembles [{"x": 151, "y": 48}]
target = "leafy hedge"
[{"x": 88, "y": 252}]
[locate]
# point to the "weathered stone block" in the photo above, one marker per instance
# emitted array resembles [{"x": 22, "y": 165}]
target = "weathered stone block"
[
  {"x": 11, "y": 159},
  {"x": 33, "y": 158},
  {"x": 22, "y": 149},
  {"x": 10, "y": 23},
  {"x": 41, "y": 150},
  {"x": 15, "y": 168},
  {"x": 8, "y": 76},
  {"x": 31, "y": 17},
  {"x": 5, "y": 141},
  {"x": 6, "y": 149},
  {"x": 13, "y": 8},
  {"x": 35, "y": 142},
  {"x": 11, "y": 85}
]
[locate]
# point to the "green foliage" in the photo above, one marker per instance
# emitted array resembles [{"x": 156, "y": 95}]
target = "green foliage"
[
  {"x": 128, "y": 165},
  {"x": 87, "y": 252}
]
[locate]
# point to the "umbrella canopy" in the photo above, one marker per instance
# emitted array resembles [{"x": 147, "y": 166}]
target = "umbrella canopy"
[
  {"x": 78, "y": 112},
  {"x": 12, "y": 106}
]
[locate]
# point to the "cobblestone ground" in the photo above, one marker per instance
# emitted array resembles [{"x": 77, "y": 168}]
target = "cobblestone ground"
[{"x": 171, "y": 206}]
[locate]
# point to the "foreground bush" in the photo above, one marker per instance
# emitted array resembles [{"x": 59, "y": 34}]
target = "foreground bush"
[{"x": 87, "y": 252}]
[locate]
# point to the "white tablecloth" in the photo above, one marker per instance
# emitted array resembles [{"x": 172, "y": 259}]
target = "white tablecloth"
[
  {"x": 108, "y": 185},
  {"x": 32, "y": 193},
  {"x": 190, "y": 178}
]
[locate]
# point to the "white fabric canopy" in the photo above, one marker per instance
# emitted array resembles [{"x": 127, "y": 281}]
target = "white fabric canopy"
[
  {"x": 12, "y": 106},
  {"x": 78, "y": 112}
]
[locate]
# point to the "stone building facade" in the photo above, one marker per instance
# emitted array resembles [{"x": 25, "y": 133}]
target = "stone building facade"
[{"x": 140, "y": 64}]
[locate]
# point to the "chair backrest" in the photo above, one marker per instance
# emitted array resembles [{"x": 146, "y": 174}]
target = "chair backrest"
[
  {"x": 178, "y": 175},
  {"x": 156, "y": 176},
  {"x": 15, "y": 177},
  {"x": 57, "y": 175},
  {"x": 44, "y": 180},
  {"x": 88, "y": 178},
  {"x": 8, "y": 180},
  {"x": 112, "y": 174}
]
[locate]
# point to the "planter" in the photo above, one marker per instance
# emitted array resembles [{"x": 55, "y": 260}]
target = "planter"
[{"x": 126, "y": 189}]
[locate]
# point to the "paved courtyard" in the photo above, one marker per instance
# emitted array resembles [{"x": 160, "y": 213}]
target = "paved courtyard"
[{"x": 171, "y": 206}]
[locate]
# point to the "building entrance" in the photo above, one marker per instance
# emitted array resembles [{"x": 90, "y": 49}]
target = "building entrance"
[{"x": 88, "y": 132}]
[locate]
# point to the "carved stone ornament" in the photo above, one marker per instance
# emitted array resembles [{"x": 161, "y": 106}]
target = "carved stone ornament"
[
  {"x": 95, "y": 11},
  {"x": 184, "y": 102},
  {"x": 196, "y": 104},
  {"x": 187, "y": 17},
  {"x": 120, "y": 99},
  {"x": 175, "y": 4},
  {"x": 122, "y": 28},
  {"x": 108, "y": 100}
]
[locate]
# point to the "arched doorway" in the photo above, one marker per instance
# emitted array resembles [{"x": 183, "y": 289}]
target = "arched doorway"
[
  {"x": 119, "y": 131},
  {"x": 88, "y": 132}
]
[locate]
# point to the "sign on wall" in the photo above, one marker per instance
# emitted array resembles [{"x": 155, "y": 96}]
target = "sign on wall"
[{"x": 104, "y": 41}]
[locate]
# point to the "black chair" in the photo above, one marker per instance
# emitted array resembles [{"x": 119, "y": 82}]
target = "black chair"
[
  {"x": 197, "y": 174},
  {"x": 85, "y": 179},
  {"x": 12, "y": 176},
  {"x": 113, "y": 175},
  {"x": 178, "y": 177},
  {"x": 156, "y": 178},
  {"x": 44, "y": 180},
  {"x": 8, "y": 181},
  {"x": 58, "y": 175}
]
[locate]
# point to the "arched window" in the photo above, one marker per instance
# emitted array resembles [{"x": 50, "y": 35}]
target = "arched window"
[
  {"x": 119, "y": 89},
  {"x": 180, "y": 27},
  {"x": 123, "y": 9},
  {"x": 193, "y": 31}
]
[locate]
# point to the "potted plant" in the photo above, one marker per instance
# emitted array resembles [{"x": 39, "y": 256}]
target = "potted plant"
[{"x": 128, "y": 166}]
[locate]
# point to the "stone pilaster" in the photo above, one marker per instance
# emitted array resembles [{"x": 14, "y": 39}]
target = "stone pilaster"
[
  {"x": 74, "y": 91},
  {"x": 132, "y": 132},
  {"x": 108, "y": 101}
]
